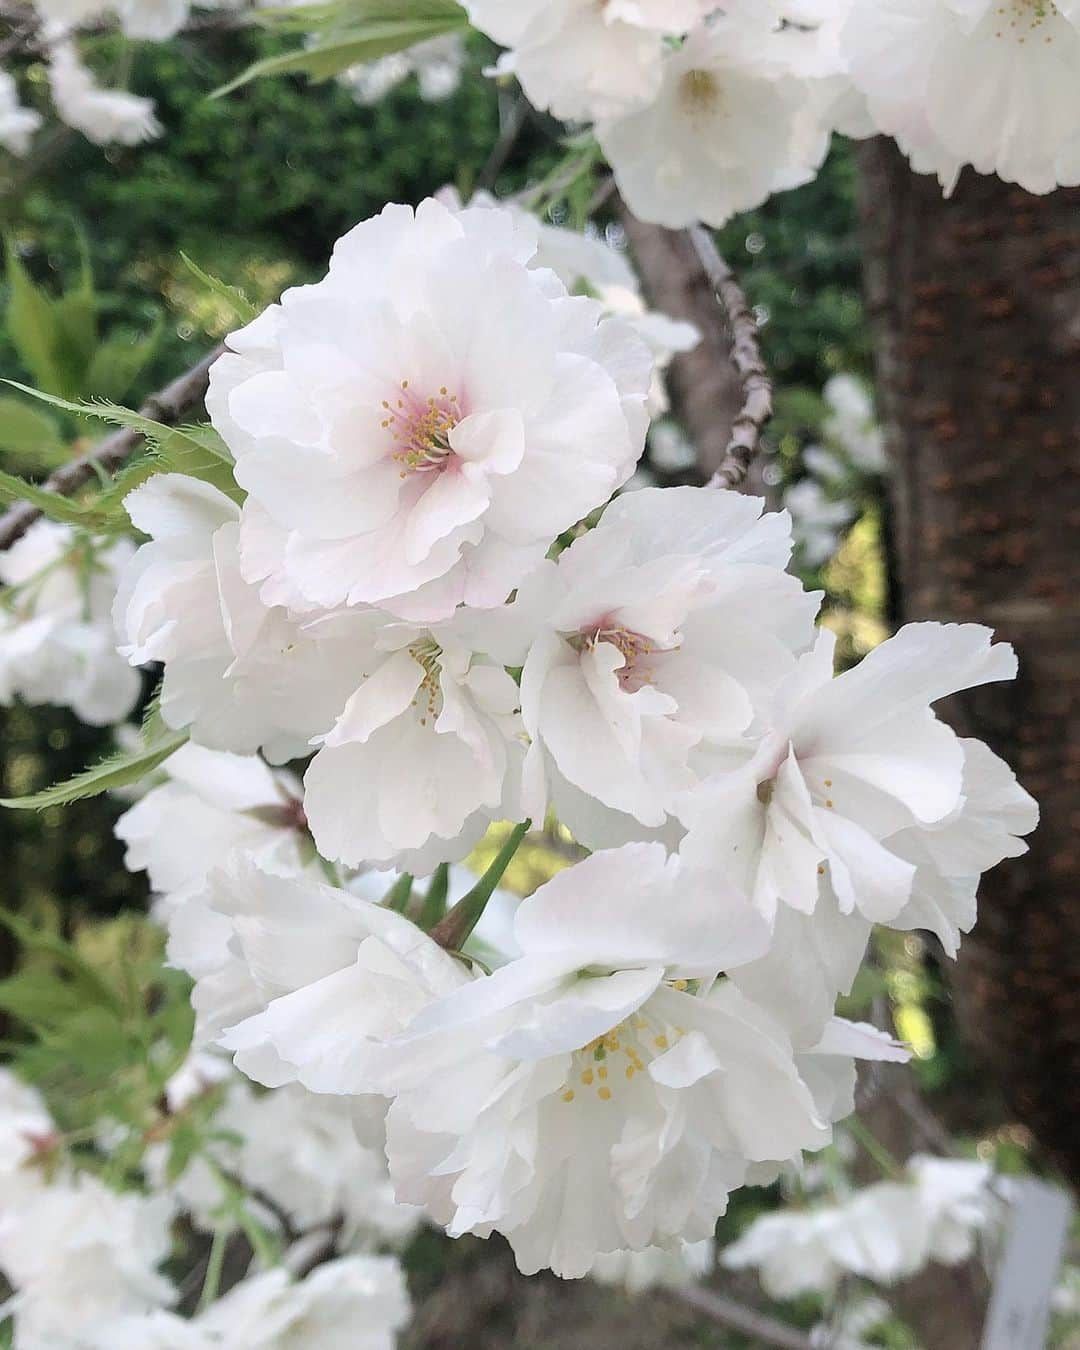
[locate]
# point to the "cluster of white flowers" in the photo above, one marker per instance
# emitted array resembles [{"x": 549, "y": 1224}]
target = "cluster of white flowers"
[
  {"x": 704, "y": 108},
  {"x": 990, "y": 83},
  {"x": 57, "y": 643},
  {"x": 84, "y": 1259},
  {"x": 884, "y": 1233},
  {"x": 416, "y": 588}
]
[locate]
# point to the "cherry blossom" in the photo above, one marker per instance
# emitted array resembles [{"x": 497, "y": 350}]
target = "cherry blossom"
[
  {"x": 414, "y": 430},
  {"x": 57, "y": 643}
]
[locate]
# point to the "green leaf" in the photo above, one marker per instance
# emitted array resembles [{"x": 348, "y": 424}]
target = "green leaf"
[
  {"x": 184, "y": 1144},
  {"x": 32, "y": 435},
  {"x": 39, "y": 999},
  {"x": 116, "y": 771},
  {"x": 51, "y": 504},
  {"x": 197, "y": 451},
  {"x": 233, "y": 296},
  {"x": 31, "y": 322},
  {"x": 76, "y": 314},
  {"x": 346, "y": 13},
  {"x": 335, "y": 52}
]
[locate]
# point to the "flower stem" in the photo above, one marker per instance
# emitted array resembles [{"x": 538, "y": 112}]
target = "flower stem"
[
  {"x": 874, "y": 1148},
  {"x": 214, "y": 1265},
  {"x": 434, "y": 908},
  {"x": 453, "y": 932},
  {"x": 400, "y": 894}
]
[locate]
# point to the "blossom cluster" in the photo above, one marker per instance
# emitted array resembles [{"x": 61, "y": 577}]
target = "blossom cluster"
[
  {"x": 884, "y": 1233},
  {"x": 705, "y": 108},
  {"x": 428, "y": 587},
  {"x": 57, "y": 643},
  {"x": 85, "y": 1260}
]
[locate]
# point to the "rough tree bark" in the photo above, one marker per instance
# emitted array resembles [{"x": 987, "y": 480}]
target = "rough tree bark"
[{"x": 976, "y": 303}]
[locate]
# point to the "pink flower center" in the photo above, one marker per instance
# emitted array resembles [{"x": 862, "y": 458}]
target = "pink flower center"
[
  {"x": 637, "y": 650},
  {"x": 420, "y": 429}
]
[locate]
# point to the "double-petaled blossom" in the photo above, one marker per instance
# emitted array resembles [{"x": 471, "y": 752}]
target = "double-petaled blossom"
[
  {"x": 842, "y": 765},
  {"x": 885, "y": 1232},
  {"x": 585, "y": 59},
  {"x": 305, "y": 978},
  {"x": 425, "y": 754},
  {"x": 57, "y": 643},
  {"x": 437, "y": 65},
  {"x": 239, "y": 675},
  {"x": 211, "y": 806},
  {"x": 77, "y": 1254},
  {"x": 991, "y": 83},
  {"x": 415, "y": 429},
  {"x": 643, "y": 649},
  {"x": 353, "y": 1303},
  {"x": 598, "y": 1094},
  {"x": 734, "y": 120}
]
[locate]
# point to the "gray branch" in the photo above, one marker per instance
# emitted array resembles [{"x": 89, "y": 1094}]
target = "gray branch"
[
  {"x": 738, "y": 1317},
  {"x": 168, "y": 406},
  {"x": 757, "y": 406}
]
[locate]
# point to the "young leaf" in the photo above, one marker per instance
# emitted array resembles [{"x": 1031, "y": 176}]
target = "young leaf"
[
  {"x": 31, "y": 322},
  {"x": 235, "y": 298},
  {"x": 198, "y": 452},
  {"x": 30, "y": 434},
  {"x": 117, "y": 770},
  {"x": 335, "y": 52},
  {"x": 51, "y": 504}
]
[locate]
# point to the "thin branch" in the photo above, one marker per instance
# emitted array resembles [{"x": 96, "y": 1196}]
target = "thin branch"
[
  {"x": 746, "y": 355},
  {"x": 167, "y": 406},
  {"x": 513, "y": 123},
  {"x": 738, "y": 1317}
]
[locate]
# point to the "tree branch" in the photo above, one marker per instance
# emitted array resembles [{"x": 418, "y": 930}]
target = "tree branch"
[
  {"x": 746, "y": 355},
  {"x": 168, "y": 406},
  {"x": 728, "y": 1313}
]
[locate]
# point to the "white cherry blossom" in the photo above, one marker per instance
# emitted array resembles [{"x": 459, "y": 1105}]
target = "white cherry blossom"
[
  {"x": 638, "y": 1272},
  {"x": 211, "y": 805},
  {"x": 425, "y": 755},
  {"x": 304, "y": 977},
  {"x": 415, "y": 429},
  {"x": 731, "y": 124},
  {"x": 995, "y": 85},
  {"x": 77, "y": 1253},
  {"x": 845, "y": 763},
  {"x": 588, "y": 1098},
  {"x": 885, "y": 1232},
  {"x": 104, "y": 116},
  {"x": 241, "y": 676},
  {"x": 57, "y": 643},
  {"x": 643, "y": 648}
]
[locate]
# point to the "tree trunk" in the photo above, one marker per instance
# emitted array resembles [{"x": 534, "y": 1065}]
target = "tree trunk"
[{"x": 976, "y": 303}]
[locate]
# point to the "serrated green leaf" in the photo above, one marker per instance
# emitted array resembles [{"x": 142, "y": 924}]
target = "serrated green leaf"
[
  {"x": 233, "y": 296},
  {"x": 51, "y": 504},
  {"x": 59, "y": 950},
  {"x": 337, "y": 51},
  {"x": 32, "y": 435},
  {"x": 116, "y": 771},
  {"x": 197, "y": 451}
]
